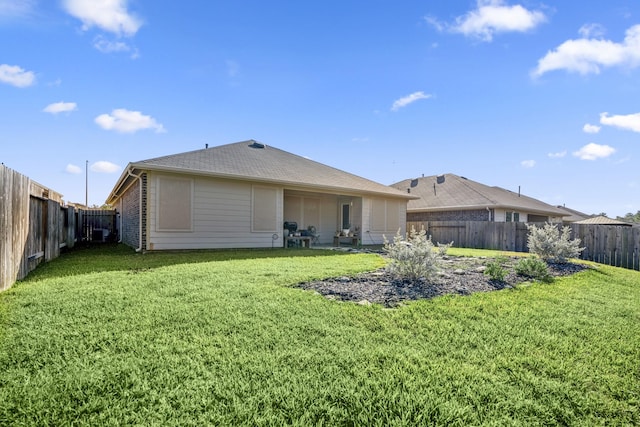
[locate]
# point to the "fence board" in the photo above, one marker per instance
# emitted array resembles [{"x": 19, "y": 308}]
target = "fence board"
[
  {"x": 613, "y": 245},
  {"x": 33, "y": 227},
  {"x": 14, "y": 214}
]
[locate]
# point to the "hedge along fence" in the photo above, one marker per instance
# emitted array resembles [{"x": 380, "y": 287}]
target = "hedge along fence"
[
  {"x": 34, "y": 226},
  {"x": 606, "y": 244}
]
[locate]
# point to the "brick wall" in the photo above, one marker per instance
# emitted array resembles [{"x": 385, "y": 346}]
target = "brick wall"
[
  {"x": 470, "y": 215},
  {"x": 131, "y": 216}
]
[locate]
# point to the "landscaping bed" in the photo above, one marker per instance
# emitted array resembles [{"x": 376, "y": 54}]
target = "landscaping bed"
[{"x": 457, "y": 276}]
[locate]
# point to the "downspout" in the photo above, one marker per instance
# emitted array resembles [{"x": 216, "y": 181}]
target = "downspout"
[
  {"x": 120, "y": 227},
  {"x": 138, "y": 177}
]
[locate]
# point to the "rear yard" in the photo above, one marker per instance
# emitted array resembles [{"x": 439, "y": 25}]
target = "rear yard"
[{"x": 109, "y": 337}]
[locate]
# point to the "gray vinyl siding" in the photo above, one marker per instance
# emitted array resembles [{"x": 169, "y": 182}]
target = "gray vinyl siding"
[{"x": 221, "y": 218}]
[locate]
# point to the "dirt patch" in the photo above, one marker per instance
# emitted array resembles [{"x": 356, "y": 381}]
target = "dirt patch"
[{"x": 457, "y": 276}]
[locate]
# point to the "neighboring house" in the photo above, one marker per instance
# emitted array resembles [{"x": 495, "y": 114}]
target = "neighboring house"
[
  {"x": 239, "y": 196},
  {"x": 572, "y": 215},
  {"x": 603, "y": 220},
  {"x": 451, "y": 197}
]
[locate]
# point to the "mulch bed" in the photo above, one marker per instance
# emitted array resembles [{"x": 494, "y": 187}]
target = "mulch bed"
[{"x": 457, "y": 276}]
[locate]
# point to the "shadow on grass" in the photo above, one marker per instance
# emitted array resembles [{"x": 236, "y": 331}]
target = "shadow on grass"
[{"x": 96, "y": 258}]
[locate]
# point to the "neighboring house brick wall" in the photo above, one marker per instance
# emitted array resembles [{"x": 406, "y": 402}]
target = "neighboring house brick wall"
[{"x": 470, "y": 215}]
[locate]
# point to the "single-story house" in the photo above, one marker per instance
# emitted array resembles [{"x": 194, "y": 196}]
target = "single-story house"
[
  {"x": 240, "y": 195},
  {"x": 451, "y": 197},
  {"x": 603, "y": 220},
  {"x": 572, "y": 215}
]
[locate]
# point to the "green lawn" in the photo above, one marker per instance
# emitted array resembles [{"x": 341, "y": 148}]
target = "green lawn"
[{"x": 110, "y": 337}]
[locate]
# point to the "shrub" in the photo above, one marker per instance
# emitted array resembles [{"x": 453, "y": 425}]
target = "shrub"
[
  {"x": 443, "y": 248},
  {"x": 413, "y": 257},
  {"x": 534, "y": 268},
  {"x": 552, "y": 244},
  {"x": 495, "y": 270}
]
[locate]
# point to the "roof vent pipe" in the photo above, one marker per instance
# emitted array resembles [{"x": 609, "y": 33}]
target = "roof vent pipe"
[{"x": 206, "y": 146}]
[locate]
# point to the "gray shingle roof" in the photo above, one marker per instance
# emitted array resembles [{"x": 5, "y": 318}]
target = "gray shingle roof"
[
  {"x": 572, "y": 215},
  {"x": 453, "y": 192},
  {"x": 249, "y": 160}
]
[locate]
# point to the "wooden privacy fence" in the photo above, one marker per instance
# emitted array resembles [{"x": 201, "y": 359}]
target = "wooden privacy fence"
[
  {"x": 34, "y": 227},
  {"x": 606, "y": 244}
]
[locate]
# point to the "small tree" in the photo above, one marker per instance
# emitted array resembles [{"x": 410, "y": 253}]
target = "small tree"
[
  {"x": 551, "y": 244},
  {"x": 413, "y": 257}
]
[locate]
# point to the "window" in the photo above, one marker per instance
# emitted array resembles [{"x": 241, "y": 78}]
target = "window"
[
  {"x": 512, "y": 216},
  {"x": 378, "y": 221},
  {"x": 393, "y": 215},
  {"x": 264, "y": 212},
  {"x": 174, "y": 204},
  {"x": 346, "y": 216}
]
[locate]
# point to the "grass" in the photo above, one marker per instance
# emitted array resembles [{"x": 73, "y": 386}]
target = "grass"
[{"x": 110, "y": 337}]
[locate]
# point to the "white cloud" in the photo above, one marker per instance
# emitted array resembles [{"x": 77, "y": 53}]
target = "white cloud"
[
  {"x": 589, "y": 128},
  {"x": 492, "y": 17},
  {"x": 623, "y": 160},
  {"x": 16, "y": 76},
  {"x": 528, "y": 163},
  {"x": 104, "y": 167},
  {"x": 16, "y": 9},
  {"x": 594, "y": 151},
  {"x": 558, "y": 155},
  {"x": 406, "y": 100},
  {"x": 125, "y": 121},
  {"x": 628, "y": 122},
  {"x": 435, "y": 23},
  {"x": 76, "y": 170},
  {"x": 588, "y": 55},
  {"x": 108, "y": 46},
  {"x": 60, "y": 107},
  {"x": 108, "y": 15},
  {"x": 591, "y": 31}
]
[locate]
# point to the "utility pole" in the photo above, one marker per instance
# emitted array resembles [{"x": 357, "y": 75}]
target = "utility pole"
[{"x": 86, "y": 184}]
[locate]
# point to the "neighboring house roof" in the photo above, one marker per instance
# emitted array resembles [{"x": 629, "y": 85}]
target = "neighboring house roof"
[
  {"x": 603, "y": 220},
  {"x": 451, "y": 192},
  {"x": 572, "y": 215},
  {"x": 250, "y": 160}
]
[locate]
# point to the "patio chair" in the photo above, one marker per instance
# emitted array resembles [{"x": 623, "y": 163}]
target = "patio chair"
[{"x": 313, "y": 233}]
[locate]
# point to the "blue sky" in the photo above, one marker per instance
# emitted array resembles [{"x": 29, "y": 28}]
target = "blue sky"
[{"x": 520, "y": 94}]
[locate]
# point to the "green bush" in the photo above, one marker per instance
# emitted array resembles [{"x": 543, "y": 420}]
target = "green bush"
[
  {"x": 412, "y": 258},
  {"x": 534, "y": 268},
  {"x": 495, "y": 270},
  {"x": 443, "y": 248},
  {"x": 551, "y": 244}
]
